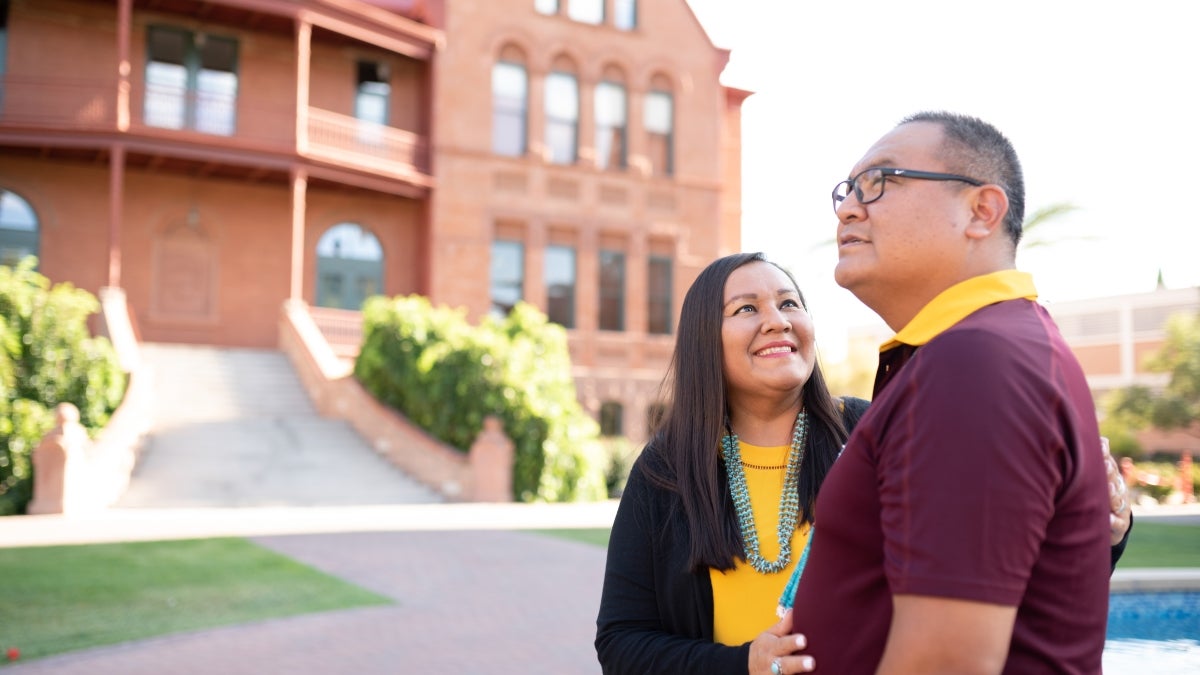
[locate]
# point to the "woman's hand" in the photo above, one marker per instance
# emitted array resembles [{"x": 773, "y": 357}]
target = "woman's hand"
[
  {"x": 1118, "y": 496},
  {"x": 773, "y": 652}
]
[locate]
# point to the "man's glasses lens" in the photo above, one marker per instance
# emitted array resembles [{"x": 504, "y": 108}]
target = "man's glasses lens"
[{"x": 867, "y": 187}]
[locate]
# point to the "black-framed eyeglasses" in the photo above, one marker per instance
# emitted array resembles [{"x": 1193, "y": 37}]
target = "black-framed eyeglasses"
[{"x": 868, "y": 185}]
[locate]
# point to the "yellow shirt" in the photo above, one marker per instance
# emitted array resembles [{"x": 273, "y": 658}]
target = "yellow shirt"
[{"x": 744, "y": 599}]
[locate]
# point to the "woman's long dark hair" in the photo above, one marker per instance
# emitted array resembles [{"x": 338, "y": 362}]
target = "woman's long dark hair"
[{"x": 685, "y": 447}]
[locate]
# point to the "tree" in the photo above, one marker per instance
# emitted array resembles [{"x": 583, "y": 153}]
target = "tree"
[
  {"x": 1034, "y": 227},
  {"x": 1177, "y": 406}
]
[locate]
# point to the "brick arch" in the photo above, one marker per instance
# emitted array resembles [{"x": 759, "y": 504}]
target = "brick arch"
[
  {"x": 566, "y": 63},
  {"x": 513, "y": 53},
  {"x": 613, "y": 72}
]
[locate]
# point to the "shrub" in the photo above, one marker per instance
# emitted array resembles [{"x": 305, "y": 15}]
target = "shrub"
[
  {"x": 620, "y": 455},
  {"x": 446, "y": 376},
  {"x": 47, "y": 357}
]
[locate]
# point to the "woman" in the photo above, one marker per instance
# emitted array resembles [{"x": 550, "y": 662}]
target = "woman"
[
  {"x": 718, "y": 508},
  {"x": 697, "y": 559}
]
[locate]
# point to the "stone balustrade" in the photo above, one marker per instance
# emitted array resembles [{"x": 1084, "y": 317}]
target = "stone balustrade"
[
  {"x": 74, "y": 473},
  {"x": 482, "y": 475}
]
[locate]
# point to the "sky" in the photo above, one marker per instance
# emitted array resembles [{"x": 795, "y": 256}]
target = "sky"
[{"x": 1099, "y": 98}]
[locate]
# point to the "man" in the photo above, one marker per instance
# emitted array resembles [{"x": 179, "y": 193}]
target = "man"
[{"x": 966, "y": 526}]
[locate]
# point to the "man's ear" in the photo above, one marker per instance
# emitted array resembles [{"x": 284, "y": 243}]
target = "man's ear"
[{"x": 989, "y": 205}]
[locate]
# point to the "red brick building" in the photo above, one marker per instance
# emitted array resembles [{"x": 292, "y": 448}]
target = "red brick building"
[{"x": 214, "y": 158}]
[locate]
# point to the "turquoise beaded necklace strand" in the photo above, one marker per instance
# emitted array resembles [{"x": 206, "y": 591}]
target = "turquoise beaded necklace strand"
[
  {"x": 789, "y": 501},
  {"x": 789, "y": 591}
]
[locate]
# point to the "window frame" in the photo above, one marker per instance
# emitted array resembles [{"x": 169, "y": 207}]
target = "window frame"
[
  {"x": 570, "y": 125},
  {"x": 612, "y": 291},
  {"x": 587, "y": 12},
  {"x": 191, "y": 99},
  {"x": 620, "y": 139},
  {"x": 516, "y": 282},
  {"x": 623, "y": 9},
  {"x": 569, "y": 299},
  {"x": 612, "y": 419},
  {"x": 662, "y": 301},
  {"x": 519, "y": 115},
  {"x": 668, "y": 161}
]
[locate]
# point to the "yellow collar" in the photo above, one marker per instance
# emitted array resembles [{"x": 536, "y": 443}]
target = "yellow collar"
[{"x": 960, "y": 300}]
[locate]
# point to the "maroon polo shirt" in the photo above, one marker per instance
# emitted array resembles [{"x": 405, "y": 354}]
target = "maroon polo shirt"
[{"x": 975, "y": 474}]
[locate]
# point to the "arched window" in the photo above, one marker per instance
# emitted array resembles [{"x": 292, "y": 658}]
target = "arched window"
[
  {"x": 659, "y": 119},
  {"x": 349, "y": 266},
  {"x": 18, "y": 229},
  {"x": 611, "y": 115},
  {"x": 562, "y": 113},
  {"x": 510, "y": 103}
]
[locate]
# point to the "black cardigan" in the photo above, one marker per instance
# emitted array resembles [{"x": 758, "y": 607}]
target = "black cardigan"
[{"x": 656, "y": 616}]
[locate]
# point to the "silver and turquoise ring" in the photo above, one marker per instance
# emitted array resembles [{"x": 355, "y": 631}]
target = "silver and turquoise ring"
[{"x": 776, "y": 667}]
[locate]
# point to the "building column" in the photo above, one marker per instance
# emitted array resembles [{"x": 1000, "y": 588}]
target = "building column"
[
  {"x": 587, "y": 122},
  {"x": 303, "y": 76},
  {"x": 116, "y": 206},
  {"x": 535, "y": 265},
  {"x": 299, "y": 199},
  {"x": 535, "y": 113},
  {"x": 637, "y": 290},
  {"x": 124, "y": 20}
]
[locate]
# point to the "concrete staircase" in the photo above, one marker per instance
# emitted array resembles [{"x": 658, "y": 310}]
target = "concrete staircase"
[{"x": 235, "y": 428}]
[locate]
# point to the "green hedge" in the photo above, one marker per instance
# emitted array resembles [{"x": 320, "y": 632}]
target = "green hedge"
[
  {"x": 47, "y": 357},
  {"x": 446, "y": 375}
]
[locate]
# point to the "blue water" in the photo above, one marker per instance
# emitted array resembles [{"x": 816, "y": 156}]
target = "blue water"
[{"x": 1155, "y": 633}]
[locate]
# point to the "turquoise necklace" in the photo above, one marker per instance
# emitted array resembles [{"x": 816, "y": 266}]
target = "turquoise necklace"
[{"x": 789, "y": 501}]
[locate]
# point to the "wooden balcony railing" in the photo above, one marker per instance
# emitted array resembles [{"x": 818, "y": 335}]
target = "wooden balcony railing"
[
  {"x": 58, "y": 103},
  {"x": 65, "y": 104},
  {"x": 337, "y": 138}
]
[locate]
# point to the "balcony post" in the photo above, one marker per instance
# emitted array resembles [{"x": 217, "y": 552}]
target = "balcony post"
[
  {"x": 303, "y": 75},
  {"x": 116, "y": 204},
  {"x": 299, "y": 198},
  {"x": 124, "y": 19}
]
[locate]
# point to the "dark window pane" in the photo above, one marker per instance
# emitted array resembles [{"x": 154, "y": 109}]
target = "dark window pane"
[
  {"x": 611, "y": 418},
  {"x": 612, "y": 290},
  {"x": 659, "y": 312},
  {"x": 560, "y": 285}
]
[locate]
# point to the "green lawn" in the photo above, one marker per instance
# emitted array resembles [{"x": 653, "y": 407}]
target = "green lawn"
[
  {"x": 62, "y": 598},
  {"x": 1150, "y": 545},
  {"x": 1162, "y": 545},
  {"x": 597, "y": 536}
]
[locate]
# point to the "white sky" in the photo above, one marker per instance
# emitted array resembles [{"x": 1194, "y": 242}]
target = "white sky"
[{"x": 1099, "y": 98}]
